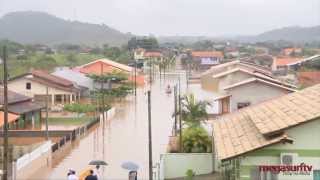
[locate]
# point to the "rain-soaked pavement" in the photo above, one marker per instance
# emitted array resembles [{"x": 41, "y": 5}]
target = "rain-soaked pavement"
[{"x": 125, "y": 137}]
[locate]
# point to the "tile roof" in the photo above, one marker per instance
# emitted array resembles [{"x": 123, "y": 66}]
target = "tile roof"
[
  {"x": 51, "y": 78},
  {"x": 261, "y": 125},
  {"x": 309, "y": 77},
  {"x": 207, "y": 54},
  {"x": 13, "y": 97},
  {"x": 11, "y": 117},
  {"x": 95, "y": 66},
  {"x": 153, "y": 54},
  {"x": 251, "y": 80},
  {"x": 285, "y": 61}
]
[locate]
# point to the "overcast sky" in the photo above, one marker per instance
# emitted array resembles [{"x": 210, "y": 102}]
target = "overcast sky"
[{"x": 180, "y": 17}]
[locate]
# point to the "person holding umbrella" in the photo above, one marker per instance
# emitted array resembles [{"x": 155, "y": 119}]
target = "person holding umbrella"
[
  {"x": 97, "y": 163},
  {"x": 133, "y": 169}
]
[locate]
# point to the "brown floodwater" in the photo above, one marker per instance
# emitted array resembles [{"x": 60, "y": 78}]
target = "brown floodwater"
[{"x": 125, "y": 136}]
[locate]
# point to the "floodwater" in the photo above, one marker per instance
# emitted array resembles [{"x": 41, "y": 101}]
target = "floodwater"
[{"x": 125, "y": 136}]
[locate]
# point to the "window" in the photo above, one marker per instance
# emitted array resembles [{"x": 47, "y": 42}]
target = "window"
[
  {"x": 243, "y": 104},
  {"x": 28, "y": 86}
]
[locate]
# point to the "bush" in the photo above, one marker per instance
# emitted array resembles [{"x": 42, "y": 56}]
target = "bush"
[
  {"x": 190, "y": 174},
  {"x": 196, "y": 140}
]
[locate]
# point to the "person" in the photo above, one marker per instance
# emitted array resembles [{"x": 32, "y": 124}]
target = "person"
[
  {"x": 72, "y": 176},
  {"x": 133, "y": 175},
  {"x": 91, "y": 176},
  {"x": 97, "y": 172}
]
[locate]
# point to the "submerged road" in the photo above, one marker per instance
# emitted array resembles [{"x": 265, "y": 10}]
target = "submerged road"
[{"x": 125, "y": 136}]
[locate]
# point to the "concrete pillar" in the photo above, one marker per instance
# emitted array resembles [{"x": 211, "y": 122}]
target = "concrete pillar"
[
  {"x": 62, "y": 98},
  {"x": 52, "y": 99},
  {"x": 32, "y": 119},
  {"x": 71, "y": 98}
]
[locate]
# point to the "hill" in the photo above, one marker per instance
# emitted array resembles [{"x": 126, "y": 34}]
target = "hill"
[
  {"x": 292, "y": 34},
  {"x": 39, "y": 27}
]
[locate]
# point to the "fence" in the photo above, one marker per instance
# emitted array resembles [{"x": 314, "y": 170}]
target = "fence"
[
  {"x": 29, "y": 157},
  {"x": 175, "y": 165}
]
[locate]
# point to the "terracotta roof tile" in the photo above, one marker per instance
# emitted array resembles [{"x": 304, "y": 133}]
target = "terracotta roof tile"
[
  {"x": 205, "y": 54},
  {"x": 251, "y": 128}
]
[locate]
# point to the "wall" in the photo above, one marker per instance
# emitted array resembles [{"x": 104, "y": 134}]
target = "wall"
[
  {"x": 231, "y": 79},
  {"x": 176, "y": 164},
  {"x": 254, "y": 93},
  {"x": 19, "y": 86},
  {"x": 305, "y": 144}
]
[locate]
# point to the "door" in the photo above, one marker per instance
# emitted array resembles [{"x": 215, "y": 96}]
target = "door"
[{"x": 316, "y": 174}]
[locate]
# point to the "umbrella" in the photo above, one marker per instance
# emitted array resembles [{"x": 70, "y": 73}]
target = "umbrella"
[
  {"x": 98, "y": 162},
  {"x": 131, "y": 166}
]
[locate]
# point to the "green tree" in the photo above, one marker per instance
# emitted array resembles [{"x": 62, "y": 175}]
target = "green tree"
[
  {"x": 71, "y": 60},
  {"x": 196, "y": 140},
  {"x": 193, "y": 111},
  {"x": 45, "y": 62}
]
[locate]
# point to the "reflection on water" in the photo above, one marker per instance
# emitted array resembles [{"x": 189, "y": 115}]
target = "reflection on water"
[{"x": 124, "y": 137}]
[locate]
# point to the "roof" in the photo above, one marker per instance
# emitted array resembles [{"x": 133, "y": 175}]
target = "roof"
[
  {"x": 72, "y": 75},
  {"x": 261, "y": 125},
  {"x": 152, "y": 54},
  {"x": 13, "y": 97},
  {"x": 97, "y": 67},
  {"x": 25, "y": 107},
  {"x": 258, "y": 75},
  {"x": 251, "y": 80},
  {"x": 51, "y": 78},
  {"x": 309, "y": 77},
  {"x": 205, "y": 54},
  {"x": 11, "y": 117},
  {"x": 285, "y": 61}
]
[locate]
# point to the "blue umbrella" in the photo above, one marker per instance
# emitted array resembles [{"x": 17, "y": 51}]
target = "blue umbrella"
[{"x": 131, "y": 166}]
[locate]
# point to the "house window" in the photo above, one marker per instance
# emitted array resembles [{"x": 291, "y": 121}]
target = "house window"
[
  {"x": 28, "y": 86},
  {"x": 243, "y": 104}
]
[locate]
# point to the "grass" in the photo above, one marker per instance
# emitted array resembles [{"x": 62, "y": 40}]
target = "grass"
[{"x": 69, "y": 121}]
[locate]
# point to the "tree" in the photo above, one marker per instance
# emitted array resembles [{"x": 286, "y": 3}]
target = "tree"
[
  {"x": 192, "y": 111},
  {"x": 46, "y": 62},
  {"x": 196, "y": 140},
  {"x": 71, "y": 60}
]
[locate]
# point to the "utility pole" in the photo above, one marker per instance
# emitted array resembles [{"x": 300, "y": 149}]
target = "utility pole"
[
  {"x": 175, "y": 110},
  {"x": 150, "y": 137},
  {"x": 101, "y": 91},
  {"x": 180, "y": 125},
  {"x": 135, "y": 77},
  {"x": 5, "y": 110},
  {"x": 47, "y": 113}
]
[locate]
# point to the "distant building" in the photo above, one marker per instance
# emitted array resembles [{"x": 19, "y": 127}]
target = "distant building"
[
  {"x": 205, "y": 59},
  {"x": 308, "y": 78},
  {"x": 270, "y": 140},
  {"x": 291, "y": 51},
  {"x": 291, "y": 63}
]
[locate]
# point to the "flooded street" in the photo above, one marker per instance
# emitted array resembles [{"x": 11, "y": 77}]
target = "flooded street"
[{"x": 125, "y": 136}]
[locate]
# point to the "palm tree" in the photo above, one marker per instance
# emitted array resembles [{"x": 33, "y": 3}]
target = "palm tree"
[{"x": 192, "y": 111}]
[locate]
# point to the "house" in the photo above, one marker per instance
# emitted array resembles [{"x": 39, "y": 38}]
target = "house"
[
  {"x": 36, "y": 84},
  {"x": 153, "y": 55},
  {"x": 275, "y": 139},
  {"x": 139, "y": 54},
  {"x": 217, "y": 77},
  {"x": 11, "y": 118},
  {"x": 240, "y": 84},
  {"x": 28, "y": 113},
  {"x": 291, "y": 63},
  {"x": 205, "y": 59},
  {"x": 102, "y": 66},
  {"x": 250, "y": 91},
  {"x": 291, "y": 51},
  {"x": 308, "y": 78}
]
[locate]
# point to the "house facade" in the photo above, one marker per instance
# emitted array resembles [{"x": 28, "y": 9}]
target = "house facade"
[
  {"x": 272, "y": 140},
  {"x": 203, "y": 60},
  {"x": 36, "y": 84}
]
